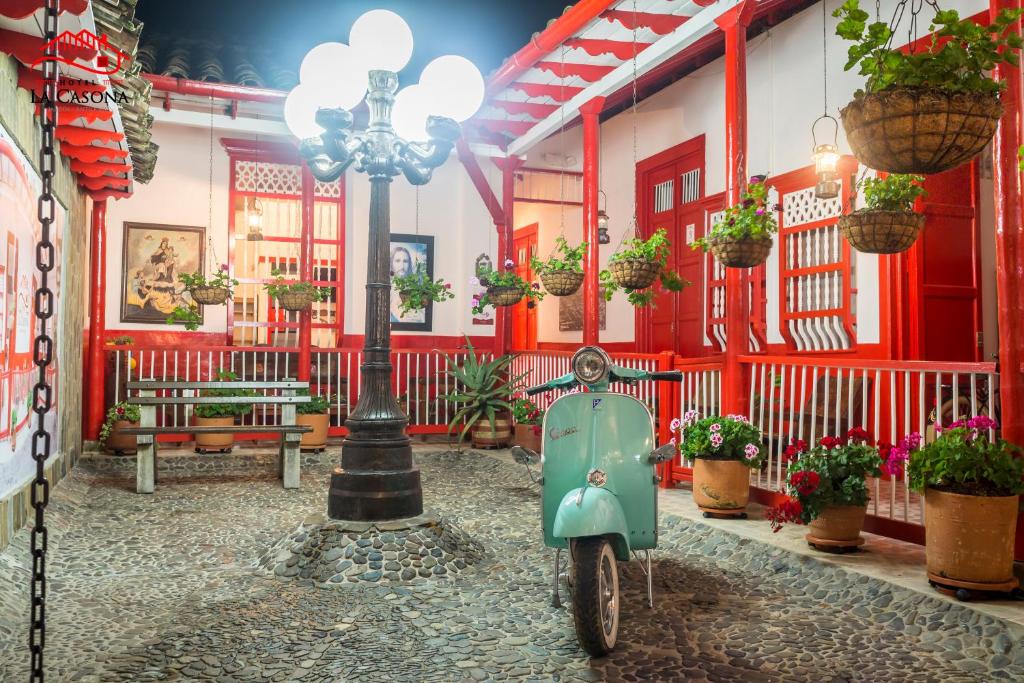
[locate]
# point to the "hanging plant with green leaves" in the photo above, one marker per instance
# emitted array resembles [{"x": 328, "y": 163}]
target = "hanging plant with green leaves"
[
  {"x": 205, "y": 290},
  {"x": 637, "y": 266},
  {"x": 417, "y": 289},
  {"x": 934, "y": 106},
  {"x": 562, "y": 272},
  {"x": 743, "y": 236},
  {"x": 504, "y": 288},
  {"x": 887, "y": 224},
  {"x": 292, "y": 295}
]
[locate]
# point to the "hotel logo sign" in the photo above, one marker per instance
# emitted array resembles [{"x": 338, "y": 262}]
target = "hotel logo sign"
[{"x": 108, "y": 61}]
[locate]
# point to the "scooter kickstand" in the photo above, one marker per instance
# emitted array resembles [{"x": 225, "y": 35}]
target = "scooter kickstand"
[
  {"x": 647, "y": 572},
  {"x": 556, "y": 600}
]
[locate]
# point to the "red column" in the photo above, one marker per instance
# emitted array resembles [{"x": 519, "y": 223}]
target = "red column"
[
  {"x": 737, "y": 290},
  {"x": 306, "y": 272},
  {"x": 94, "y": 394},
  {"x": 590, "y": 112},
  {"x": 505, "y": 227}
]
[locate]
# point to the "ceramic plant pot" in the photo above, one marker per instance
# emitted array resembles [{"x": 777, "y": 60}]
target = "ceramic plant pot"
[
  {"x": 969, "y": 538},
  {"x": 838, "y": 526},
  {"x": 119, "y": 443},
  {"x": 528, "y": 436},
  {"x": 317, "y": 439},
  {"x": 721, "y": 486},
  {"x": 214, "y": 442}
]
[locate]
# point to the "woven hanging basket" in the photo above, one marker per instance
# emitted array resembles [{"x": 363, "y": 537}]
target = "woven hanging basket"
[
  {"x": 920, "y": 130},
  {"x": 209, "y": 296},
  {"x": 504, "y": 296},
  {"x": 745, "y": 252},
  {"x": 634, "y": 273},
  {"x": 295, "y": 301},
  {"x": 881, "y": 232},
  {"x": 561, "y": 282},
  {"x": 404, "y": 296}
]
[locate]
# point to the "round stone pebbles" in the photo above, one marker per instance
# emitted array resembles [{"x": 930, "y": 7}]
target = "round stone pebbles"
[{"x": 338, "y": 552}]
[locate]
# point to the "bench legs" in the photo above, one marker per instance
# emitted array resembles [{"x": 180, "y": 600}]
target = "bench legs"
[
  {"x": 145, "y": 464},
  {"x": 290, "y": 457}
]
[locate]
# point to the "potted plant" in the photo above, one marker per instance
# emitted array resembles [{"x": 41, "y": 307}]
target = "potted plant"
[
  {"x": 294, "y": 296},
  {"x": 637, "y": 265},
  {"x": 562, "y": 273},
  {"x": 723, "y": 451},
  {"x": 925, "y": 110},
  {"x": 888, "y": 224},
  {"x": 528, "y": 419},
  {"x": 743, "y": 236},
  {"x": 205, "y": 291},
  {"x": 220, "y": 415},
  {"x": 120, "y": 416},
  {"x": 504, "y": 288},
  {"x": 827, "y": 485},
  {"x": 315, "y": 413},
  {"x": 417, "y": 289},
  {"x": 971, "y": 484},
  {"x": 482, "y": 397}
]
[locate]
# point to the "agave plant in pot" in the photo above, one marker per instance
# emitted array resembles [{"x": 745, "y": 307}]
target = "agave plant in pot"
[
  {"x": 972, "y": 484},
  {"x": 743, "y": 236},
  {"x": 932, "y": 107},
  {"x": 723, "y": 451},
  {"x": 888, "y": 224},
  {"x": 121, "y": 416},
  {"x": 294, "y": 296},
  {"x": 316, "y": 414},
  {"x": 637, "y": 265},
  {"x": 504, "y": 288},
  {"x": 417, "y": 289},
  {"x": 220, "y": 415},
  {"x": 528, "y": 419},
  {"x": 562, "y": 272},
  {"x": 482, "y": 397}
]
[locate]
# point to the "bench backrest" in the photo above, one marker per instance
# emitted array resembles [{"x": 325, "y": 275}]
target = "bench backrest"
[{"x": 147, "y": 389}]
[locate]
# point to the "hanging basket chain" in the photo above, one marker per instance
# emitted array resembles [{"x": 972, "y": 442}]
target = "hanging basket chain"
[{"x": 43, "y": 351}]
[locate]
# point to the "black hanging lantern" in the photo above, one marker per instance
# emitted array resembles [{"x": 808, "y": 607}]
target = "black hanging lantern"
[{"x": 602, "y": 221}]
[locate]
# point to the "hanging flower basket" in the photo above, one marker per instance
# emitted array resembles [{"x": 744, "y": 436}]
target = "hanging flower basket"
[
  {"x": 210, "y": 296},
  {"x": 920, "y": 130},
  {"x": 504, "y": 296},
  {"x": 881, "y": 232},
  {"x": 632, "y": 273},
  {"x": 561, "y": 282},
  {"x": 740, "y": 252},
  {"x": 411, "y": 301},
  {"x": 295, "y": 300}
]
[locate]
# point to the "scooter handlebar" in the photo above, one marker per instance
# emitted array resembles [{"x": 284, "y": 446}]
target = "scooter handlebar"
[
  {"x": 667, "y": 376},
  {"x": 533, "y": 391}
]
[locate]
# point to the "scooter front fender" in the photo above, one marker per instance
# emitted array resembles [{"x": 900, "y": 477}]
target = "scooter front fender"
[{"x": 597, "y": 513}]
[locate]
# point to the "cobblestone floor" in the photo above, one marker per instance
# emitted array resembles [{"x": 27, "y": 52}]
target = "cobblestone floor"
[{"x": 162, "y": 587}]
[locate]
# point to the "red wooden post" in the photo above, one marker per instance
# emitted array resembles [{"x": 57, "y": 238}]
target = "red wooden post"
[
  {"x": 97, "y": 322},
  {"x": 1006, "y": 185},
  {"x": 668, "y": 408},
  {"x": 505, "y": 227},
  {"x": 306, "y": 272},
  {"x": 737, "y": 292},
  {"x": 590, "y": 112}
]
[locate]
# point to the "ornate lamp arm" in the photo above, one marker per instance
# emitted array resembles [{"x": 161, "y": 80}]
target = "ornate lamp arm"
[{"x": 323, "y": 167}]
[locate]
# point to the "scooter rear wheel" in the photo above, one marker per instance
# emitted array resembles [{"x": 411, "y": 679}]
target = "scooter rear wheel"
[{"x": 595, "y": 596}]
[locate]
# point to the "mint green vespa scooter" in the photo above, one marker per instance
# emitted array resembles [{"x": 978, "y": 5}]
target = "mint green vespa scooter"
[{"x": 599, "y": 488}]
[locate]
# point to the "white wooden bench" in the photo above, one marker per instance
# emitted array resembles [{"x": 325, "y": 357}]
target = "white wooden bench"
[{"x": 283, "y": 393}]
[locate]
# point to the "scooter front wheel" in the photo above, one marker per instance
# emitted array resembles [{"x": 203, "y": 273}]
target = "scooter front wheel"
[{"x": 595, "y": 596}]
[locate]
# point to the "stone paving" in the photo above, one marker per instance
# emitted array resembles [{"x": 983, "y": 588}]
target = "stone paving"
[{"x": 166, "y": 587}]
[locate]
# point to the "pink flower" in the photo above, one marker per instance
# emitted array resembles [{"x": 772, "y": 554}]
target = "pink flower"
[
  {"x": 223, "y": 266},
  {"x": 690, "y": 416},
  {"x": 674, "y": 425},
  {"x": 716, "y": 440},
  {"x": 509, "y": 263},
  {"x": 751, "y": 451},
  {"x": 672, "y": 441},
  {"x": 982, "y": 422},
  {"x": 715, "y": 427},
  {"x": 474, "y": 281},
  {"x": 738, "y": 418},
  {"x": 447, "y": 286}
]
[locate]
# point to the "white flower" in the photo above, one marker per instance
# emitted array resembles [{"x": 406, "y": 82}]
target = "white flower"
[
  {"x": 675, "y": 424},
  {"x": 716, "y": 427}
]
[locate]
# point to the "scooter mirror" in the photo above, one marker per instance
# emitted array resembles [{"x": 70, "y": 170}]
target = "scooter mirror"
[
  {"x": 524, "y": 456},
  {"x": 662, "y": 454}
]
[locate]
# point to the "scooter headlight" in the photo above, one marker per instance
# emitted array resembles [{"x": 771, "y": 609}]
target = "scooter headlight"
[
  {"x": 591, "y": 365},
  {"x": 596, "y": 477}
]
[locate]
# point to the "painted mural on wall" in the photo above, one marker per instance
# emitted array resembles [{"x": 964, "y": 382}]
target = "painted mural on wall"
[
  {"x": 153, "y": 256},
  {"x": 19, "y": 230},
  {"x": 570, "y": 312},
  {"x": 409, "y": 252}
]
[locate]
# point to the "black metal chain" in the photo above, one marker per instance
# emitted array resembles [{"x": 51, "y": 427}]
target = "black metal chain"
[{"x": 42, "y": 399}]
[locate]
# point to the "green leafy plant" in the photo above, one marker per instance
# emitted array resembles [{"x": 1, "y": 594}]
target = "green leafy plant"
[
  {"x": 417, "y": 289},
  {"x": 751, "y": 218},
  {"x": 564, "y": 258},
  {"x": 219, "y": 279},
  {"x": 895, "y": 192},
  {"x": 187, "y": 315},
  {"x": 729, "y": 437},
  {"x": 317, "y": 405},
  {"x": 526, "y": 412},
  {"x": 119, "y": 412},
  {"x": 965, "y": 459},
  {"x": 656, "y": 249},
  {"x": 483, "y": 389},
  {"x": 122, "y": 340},
  {"x": 225, "y": 409},
  {"x": 502, "y": 278},
  {"x": 281, "y": 286},
  {"x": 959, "y": 57}
]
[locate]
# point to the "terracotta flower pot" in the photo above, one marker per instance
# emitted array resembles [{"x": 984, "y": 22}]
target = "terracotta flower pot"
[
  {"x": 839, "y": 524},
  {"x": 969, "y": 538},
  {"x": 528, "y": 436},
  {"x": 721, "y": 484},
  {"x": 316, "y": 439},
  {"x": 483, "y": 437},
  {"x": 119, "y": 443},
  {"x": 214, "y": 442}
]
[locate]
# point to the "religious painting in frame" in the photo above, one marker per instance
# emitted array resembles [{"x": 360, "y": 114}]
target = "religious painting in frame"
[
  {"x": 570, "y": 312},
  {"x": 406, "y": 254},
  {"x": 152, "y": 258}
]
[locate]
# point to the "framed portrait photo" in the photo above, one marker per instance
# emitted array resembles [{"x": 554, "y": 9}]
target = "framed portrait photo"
[
  {"x": 407, "y": 253},
  {"x": 153, "y": 256}
]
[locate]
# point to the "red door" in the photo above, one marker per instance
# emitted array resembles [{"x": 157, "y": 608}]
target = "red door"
[
  {"x": 672, "y": 185},
  {"x": 944, "y": 271},
  {"x": 524, "y": 313}
]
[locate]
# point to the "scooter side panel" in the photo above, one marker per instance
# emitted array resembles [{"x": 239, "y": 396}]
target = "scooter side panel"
[{"x": 610, "y": 431}]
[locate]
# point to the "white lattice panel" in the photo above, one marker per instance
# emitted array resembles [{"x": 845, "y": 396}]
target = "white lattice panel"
[
  {"x": 281, "y": 179},
  {"x": 802, "y": 207}
]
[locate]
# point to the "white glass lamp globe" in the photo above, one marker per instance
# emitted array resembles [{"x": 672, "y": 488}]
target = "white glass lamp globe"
[
  {"x": 409, "y": 114},
  {"x": 300, "y": 111},
  {"x": 456, "y": 86},
  {"x": 383, "y": 40},
  {"x": 337, "y": 69}
]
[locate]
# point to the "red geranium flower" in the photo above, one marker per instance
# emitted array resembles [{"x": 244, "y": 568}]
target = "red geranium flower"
[
  {"x": 793, "y": 450},
  {"x": 858, "y": 434},
  {"x": 805, "y": 482},
  {"x": 788, "y": 510},
  {"x": 830, "y": 442}
]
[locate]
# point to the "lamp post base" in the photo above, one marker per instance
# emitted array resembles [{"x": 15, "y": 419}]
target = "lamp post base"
[{"x": 376, "y": 481}]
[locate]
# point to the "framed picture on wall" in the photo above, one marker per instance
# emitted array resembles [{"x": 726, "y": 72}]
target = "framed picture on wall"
[
  {"x": 152, "y": 257},
  {"x": 409, "y": 252}
]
